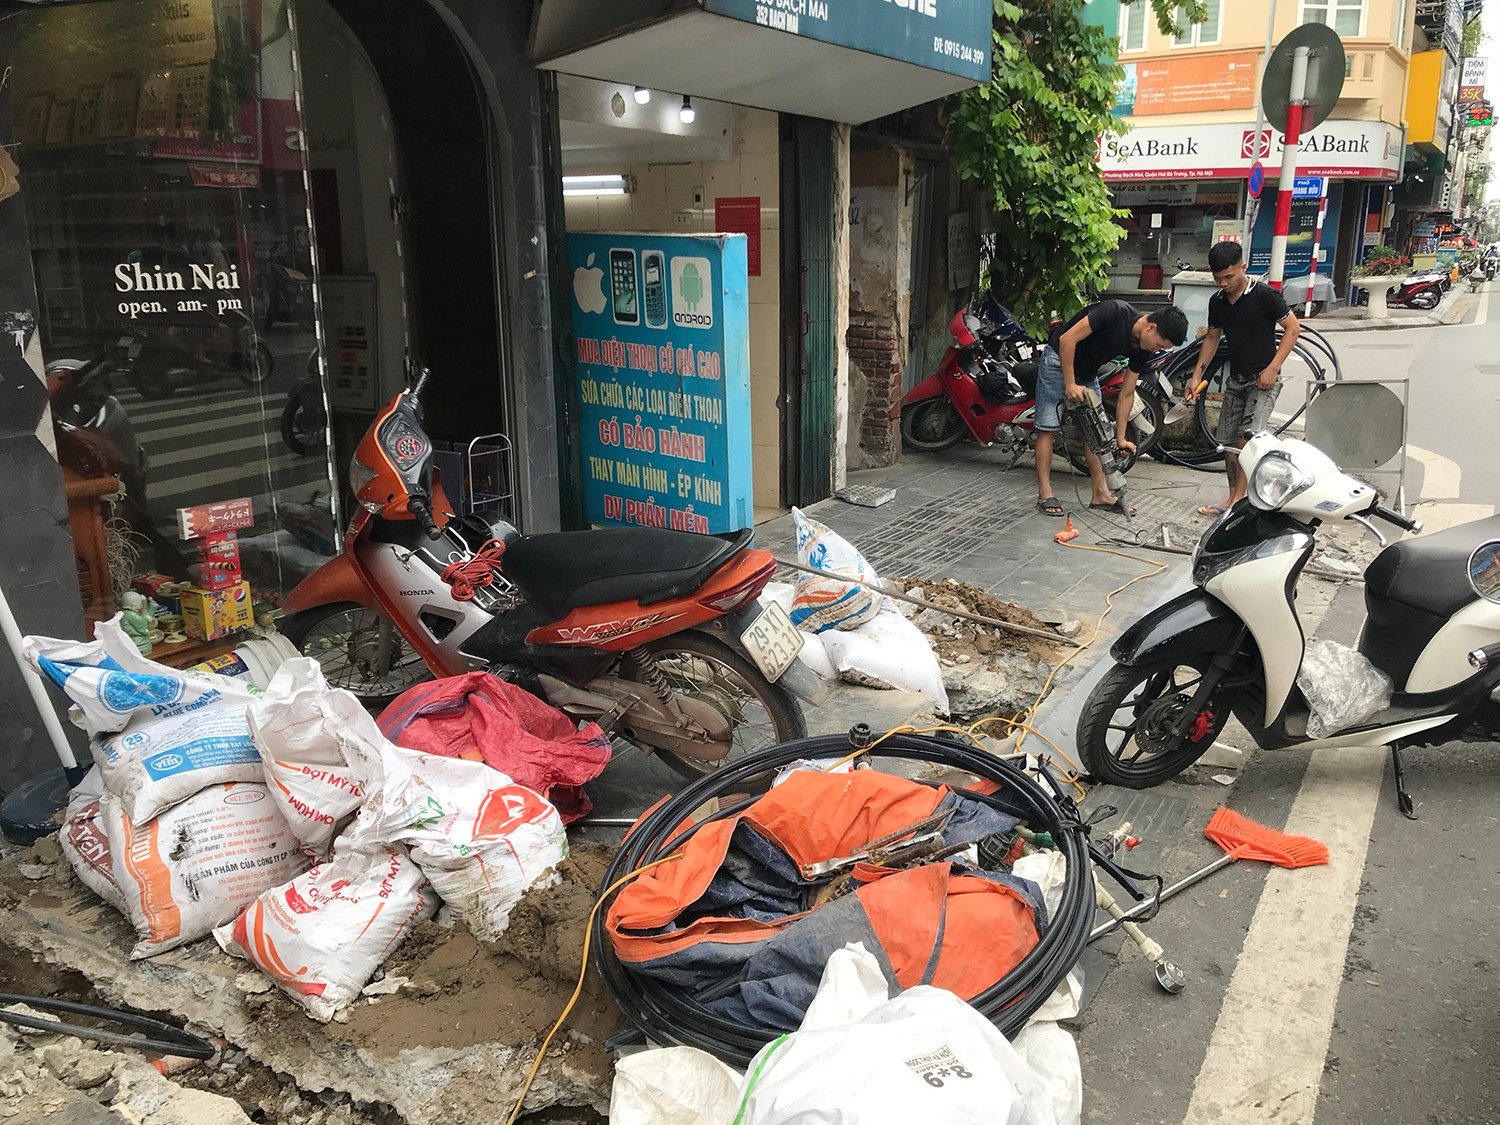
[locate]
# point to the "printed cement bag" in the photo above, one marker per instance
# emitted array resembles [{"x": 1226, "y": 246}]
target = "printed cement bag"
[
  {"x": 828, "y": 603},
  {"x": 199, "y": 863},
  {"x": 158, "y": 735},
  {"x": 84, "y": 843},
  {"x": 301, "y": 729},
  {"x": 322, "y": 936}
]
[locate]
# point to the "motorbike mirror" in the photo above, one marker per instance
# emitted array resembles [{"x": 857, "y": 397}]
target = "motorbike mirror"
[{"x": 1484, "y": 570}]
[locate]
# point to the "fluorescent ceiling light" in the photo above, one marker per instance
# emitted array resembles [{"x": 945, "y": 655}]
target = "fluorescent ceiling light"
[{"x": 613, "y": 184}]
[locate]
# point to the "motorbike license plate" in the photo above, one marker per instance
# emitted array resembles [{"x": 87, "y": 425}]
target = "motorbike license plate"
[{"x": 772, "y": 641}]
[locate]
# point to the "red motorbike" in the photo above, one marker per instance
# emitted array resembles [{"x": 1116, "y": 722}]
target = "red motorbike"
[
  {"x": 656, "y": 635},
  {"x": 984, "y": 390}
]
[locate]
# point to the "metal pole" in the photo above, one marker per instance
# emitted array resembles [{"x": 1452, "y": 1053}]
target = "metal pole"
[
  {"x": 1289, "y": 143},
  {"x": 1252, "y": 204},
  {"x": 1312, "y": 274}
]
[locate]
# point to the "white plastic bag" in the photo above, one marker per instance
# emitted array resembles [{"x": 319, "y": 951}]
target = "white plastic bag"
[
  {"x": 199, "y": 863},
  {"x": 673, "y": 1086},
  {"x": 158, "y": 735},
  {"x": 812, "y": 655},
  {"x": 923, "y": 1056},
  {"x": 1342, "y": 687},
  {"x": 322, "y": 936},
  {"x": 301, "y": 729},
  {"x": 84, "y": 843},
  {"x": 831, "y": 603},
  {"x": 1052, "y": 1055},
  {"x": 888, "y": 652},
  {"x": 480, "y": 838}
]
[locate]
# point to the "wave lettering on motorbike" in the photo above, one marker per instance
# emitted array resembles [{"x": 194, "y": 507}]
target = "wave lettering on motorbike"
[{"x": 609, "y": 630}]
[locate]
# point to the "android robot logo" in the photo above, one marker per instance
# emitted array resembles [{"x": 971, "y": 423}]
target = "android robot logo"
[{"x": 692, "y": 293}]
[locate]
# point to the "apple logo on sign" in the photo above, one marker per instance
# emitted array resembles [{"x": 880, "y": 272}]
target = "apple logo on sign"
[{"x": 588, "y": 287}]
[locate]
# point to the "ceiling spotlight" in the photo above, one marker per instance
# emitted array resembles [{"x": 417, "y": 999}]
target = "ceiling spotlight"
[
  {"x": 642, "y": 95},
  {"x": 687, "y": 113}
]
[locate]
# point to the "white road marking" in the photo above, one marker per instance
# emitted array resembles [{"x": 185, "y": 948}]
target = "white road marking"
[
  {"x": 1483, "y": 315},
  {"x": 1265, "y": 1058}
]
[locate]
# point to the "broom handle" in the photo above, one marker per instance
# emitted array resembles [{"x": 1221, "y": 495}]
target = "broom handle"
[{"x": 1150, "y": 904}]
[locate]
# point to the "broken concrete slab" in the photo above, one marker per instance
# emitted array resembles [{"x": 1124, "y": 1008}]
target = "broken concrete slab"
[{"x": 436, "y": 1058}]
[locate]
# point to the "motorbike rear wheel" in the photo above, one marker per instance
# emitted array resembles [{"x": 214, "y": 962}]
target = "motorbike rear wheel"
[
  {"x": 1124, "y": 732},
  {"x": 1427, "y": 299},
  {"x": 1153, "y": 410},
  {"x": 304, "y": 422},
  {"x": 353, "y": 643},
  {"x": 254, "y": 370},
  {"x": 931, "y": 426},
  {"x": 707, "y": 670}
]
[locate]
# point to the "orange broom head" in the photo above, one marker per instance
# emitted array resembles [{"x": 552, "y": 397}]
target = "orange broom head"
[{"x": 1242, "y": 838}]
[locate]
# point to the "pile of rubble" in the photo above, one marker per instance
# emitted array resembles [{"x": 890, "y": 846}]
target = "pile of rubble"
[{"x": 987, "y": 670}]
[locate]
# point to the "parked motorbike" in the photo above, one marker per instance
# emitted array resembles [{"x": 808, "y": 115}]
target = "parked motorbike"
[
  {"x": 288, "y": 296},
  {"x": 1419, "y": 291},
  {"x": 95, "y": 435},
  {"x": 157, "y": 359},
  {"x": 1235, "y": 645},
  {"x": 985, "y": 390},
  {"x": 304, "y": 419},
  {"x": 1491, "y": 266},
  {"x": 654, "y": 634}
]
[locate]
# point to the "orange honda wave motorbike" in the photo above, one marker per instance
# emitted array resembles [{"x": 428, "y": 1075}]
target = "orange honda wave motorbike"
[{"x": 654, "y": 634}]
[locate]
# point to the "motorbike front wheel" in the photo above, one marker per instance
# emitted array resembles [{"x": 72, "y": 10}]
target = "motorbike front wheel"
[
  {"x": 1125, "y": 731},
  {"x": 707, "y": 670},
  {"x": 304, "y": 423},
  {"x": 931, "y": 426},
  {"x": 358, "y": 649}
]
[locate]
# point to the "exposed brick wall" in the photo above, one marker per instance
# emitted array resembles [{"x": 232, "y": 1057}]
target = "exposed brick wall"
[{"x": 875, "y": 348}]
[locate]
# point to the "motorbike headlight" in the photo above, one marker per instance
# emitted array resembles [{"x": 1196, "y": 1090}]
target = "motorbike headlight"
[
  {"x": 361, "y": 475},
  {"x": 1276, "y": 480}
]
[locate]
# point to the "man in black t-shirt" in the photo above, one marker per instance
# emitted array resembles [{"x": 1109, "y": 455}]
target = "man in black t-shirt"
[
  {"x": 1099, "y": 341},
  {"x": 1246, "y": 312}
]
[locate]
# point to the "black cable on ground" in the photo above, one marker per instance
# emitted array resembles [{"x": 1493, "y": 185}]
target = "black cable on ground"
[
  {"x": 170, "y": 1040},
  {"x": 670, "y": 1016}
]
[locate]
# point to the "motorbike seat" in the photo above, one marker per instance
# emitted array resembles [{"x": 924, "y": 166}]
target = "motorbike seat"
[
  {"x": 1025, "y": 373},
  {"x": 1413, "y": 588},
  {"x": 565, "y": 570}
]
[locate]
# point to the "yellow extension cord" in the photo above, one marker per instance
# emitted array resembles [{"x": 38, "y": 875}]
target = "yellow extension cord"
[{"x": 1019, "y": 723}]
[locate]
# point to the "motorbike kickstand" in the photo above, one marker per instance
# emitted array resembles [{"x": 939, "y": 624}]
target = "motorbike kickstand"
[{"x": 1403, "y": 795}]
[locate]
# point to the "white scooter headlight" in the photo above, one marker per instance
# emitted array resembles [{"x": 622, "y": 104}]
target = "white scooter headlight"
[{"x": 1276, "y": 480}]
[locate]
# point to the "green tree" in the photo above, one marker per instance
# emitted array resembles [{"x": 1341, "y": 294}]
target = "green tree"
[{"x": 1029, "y": 137}]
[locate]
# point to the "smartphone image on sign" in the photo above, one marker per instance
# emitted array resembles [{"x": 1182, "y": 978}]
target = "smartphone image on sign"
[
  {"x": 654, "y": 266},
  {"x": 623, "y": 287}
]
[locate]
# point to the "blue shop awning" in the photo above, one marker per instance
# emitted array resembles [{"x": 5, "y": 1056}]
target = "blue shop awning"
[{"x": 841, "y": 60}]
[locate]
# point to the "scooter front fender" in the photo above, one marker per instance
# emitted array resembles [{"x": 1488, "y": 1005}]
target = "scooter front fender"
[
  {"x": 337, "y": 580},
  {"x": 930, "y": 387},
  {"x": 1190, "y": 624}
]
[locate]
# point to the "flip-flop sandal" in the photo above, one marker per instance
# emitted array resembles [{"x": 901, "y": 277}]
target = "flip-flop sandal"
[
  {"x": 1212, "y": 510},
  {"x": 1050, "y": 507},
  {"x": 1118, "y": 508}
]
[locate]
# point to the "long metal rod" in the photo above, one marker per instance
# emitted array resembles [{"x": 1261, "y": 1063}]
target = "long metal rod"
[
  {"x": 1151, "y": 904},
  {"x": 993, "y": 622},
  {"x": 1252, "y": 204}
]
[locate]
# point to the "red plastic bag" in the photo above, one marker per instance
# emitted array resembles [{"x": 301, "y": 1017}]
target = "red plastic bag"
[{"x": 482, "y": 718}]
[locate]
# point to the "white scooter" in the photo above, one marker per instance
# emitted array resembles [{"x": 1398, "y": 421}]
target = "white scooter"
[{"x": 1235, "y": 645}]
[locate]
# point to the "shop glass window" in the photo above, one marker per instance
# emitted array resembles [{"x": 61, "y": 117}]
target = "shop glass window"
[
  {"x": 1199, "y": 34},
  {"x": 166, "y": 197},
  {"x": 1133, "y": 18},
  {"x": 1347, "y": 17}
]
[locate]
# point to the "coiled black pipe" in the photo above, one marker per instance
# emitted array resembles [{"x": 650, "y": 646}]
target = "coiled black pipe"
[{"x": 670, "y": 1016}]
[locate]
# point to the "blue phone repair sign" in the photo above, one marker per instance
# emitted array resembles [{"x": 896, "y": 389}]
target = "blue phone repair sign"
[{"x": 662, "y": 327}]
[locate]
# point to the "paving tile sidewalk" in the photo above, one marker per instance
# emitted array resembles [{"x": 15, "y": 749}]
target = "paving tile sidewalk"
[{"x": 956, "y": 515}]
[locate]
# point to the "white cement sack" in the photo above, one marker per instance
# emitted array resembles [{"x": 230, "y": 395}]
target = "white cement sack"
[
  {"x": 479, "y": 837},
  {"x": 831, "y": 603},
  {"x": 301, "y": 729},
  {"x": 888, "y": 652},
  {"x": 84, "y": 843},
  {"x": 158, "y": 735},
  {"x": 198, "y": 864},
  {"x": 322, "y": 936}
]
